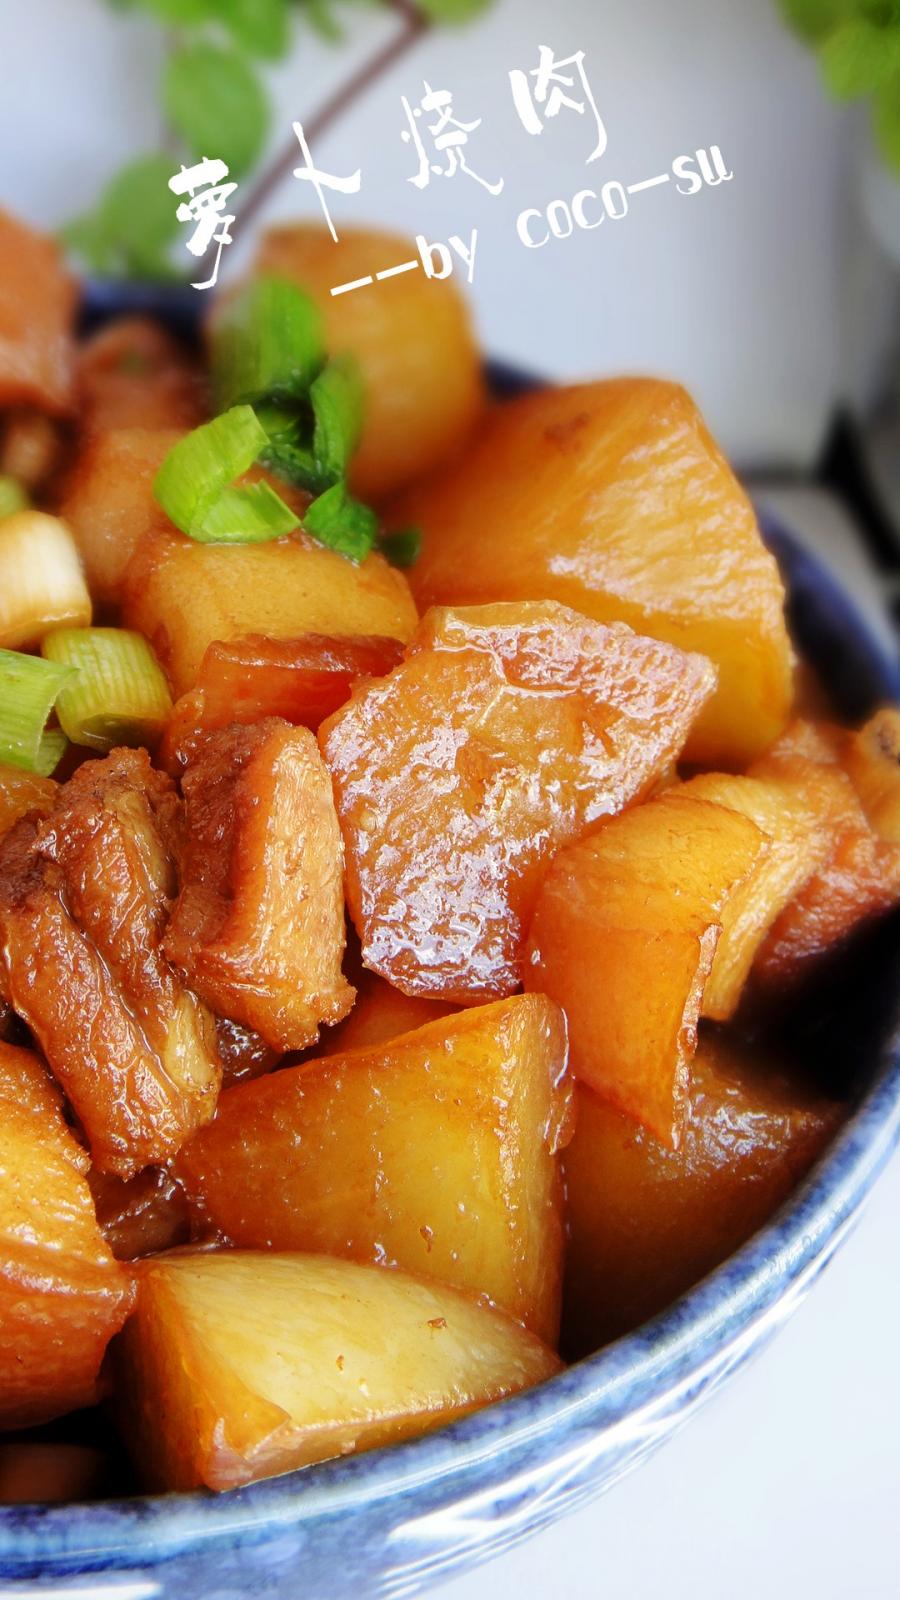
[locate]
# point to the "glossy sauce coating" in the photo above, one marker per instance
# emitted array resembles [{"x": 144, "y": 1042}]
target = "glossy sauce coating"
[
  {"x": 796, "y": 848},
  {"x": 258, "y": 926},
  {"x": 302, "y": 680},
  {"x": 380, "y": 1013},
  {"x": 243, "y": 1052},
  {"x": 184, "y": 596},
  {"x": 647, "y": 1221},
  {"x": 241, "y": 1364},
  {"x": 84, "y": 897},
  {"x": 141, "y": 1215},
  {"x": 436, "y": 1153},
  {"x": 62, "y": 1296},
  {"x": 614, "y": 499},
  {"x": 859, "y": 878},
  {"x": 21, "y": 792},
  {"x": 623, "y": 938},
  {"x": 508, "y": 731},
  {"x": 107, "y": 500}
]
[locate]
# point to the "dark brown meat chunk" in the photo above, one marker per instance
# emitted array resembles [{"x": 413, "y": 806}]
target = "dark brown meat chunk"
[
  {"x": 244, "y": 1053},
  {"x": 85, "y": 892},
  {"x": 141, "y": 1215},
  {"x": 258, "y": 929}
]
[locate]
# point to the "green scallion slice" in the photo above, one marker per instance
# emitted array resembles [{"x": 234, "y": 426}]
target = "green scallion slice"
[
  {"x": 117, "y": 693},
  {"x": 268, "y": 344},
  {"x": 286, "y": 454},
  {"x": 402, "y": 548},
  {"x": 296, "y": 464},
  {"x": 29, "y": 688},
  {"x": 12, "y": 496},
  {"x": 336, "y": 397},
  {"x": 195, "y": 484},
  {"x": 332, "y": 419},
  {"x": 252, "y": 514},
  {"x": 281, "y": 424},
  {"x": 341, "y": 523}
]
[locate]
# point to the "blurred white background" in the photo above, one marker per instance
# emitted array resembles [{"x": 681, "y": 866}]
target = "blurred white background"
[{"x": 745, "y": 292}]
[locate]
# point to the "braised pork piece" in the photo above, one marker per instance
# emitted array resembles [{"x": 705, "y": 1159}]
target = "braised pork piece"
[
  {"x": 85, "y": 893},
  {"x": 258, "y": 926}
]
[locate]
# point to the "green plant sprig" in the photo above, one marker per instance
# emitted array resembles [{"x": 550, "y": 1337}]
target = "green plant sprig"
[
  {"x": 215, "y": 102},
  {"x": 858, "y": 46}
]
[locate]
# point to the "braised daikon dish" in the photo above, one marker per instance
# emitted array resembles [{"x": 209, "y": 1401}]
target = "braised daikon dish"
[{"x": 411, "y": 834}]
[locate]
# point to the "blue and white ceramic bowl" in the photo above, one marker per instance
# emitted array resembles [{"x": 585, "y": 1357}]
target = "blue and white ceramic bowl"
[{"x": 393, "y": 1521}]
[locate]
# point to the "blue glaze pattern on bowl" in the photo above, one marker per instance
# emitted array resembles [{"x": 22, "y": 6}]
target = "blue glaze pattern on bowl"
[{"x": 392, "y": 1522}]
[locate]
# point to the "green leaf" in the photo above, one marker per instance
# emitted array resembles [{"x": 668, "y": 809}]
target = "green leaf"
[
  {"x": 281, "y": 423},
  {"x": 452, "y": 11},
  {"x": 331, "y": 417},
  {"x": 134, "y": 224},
  {"x": 181, "y": 12},
  {"x": 884, "y": 13},
  {"x": 88, "y": 238},
  {"x": 815, "y": 19},
  {"x": 887, "y": 124},
  {"x": 288, "y": 453},
  {"x": 217, "y": 104},
  {"x": 859, "y": 59},
  {"x": 321, "y": 18},
  {"x": 260, "y": 26},
  {"x": 138, "y": 206}
]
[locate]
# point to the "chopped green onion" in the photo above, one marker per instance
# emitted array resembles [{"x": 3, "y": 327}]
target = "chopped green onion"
[
  {"x": 337, "y": 401},
  {"x": 342, "y": 523},
  {"x": 28, "y": 691},
  {"x": 42, "y": 583},
  {"x": 12, "y": 496},
  {"x": 402, "y": 548},
  {"x": 117, "y": 693},
  {"x": 286, "y": 454},
  {"x": 295, "y": 463},
  {"x": 205, "y": 462},
  {"x": 194, "y": 485},
  {"x": 267, "y": 345},
  {"x": 280, "y": 423},
  {"x": 252, "y": 514}
]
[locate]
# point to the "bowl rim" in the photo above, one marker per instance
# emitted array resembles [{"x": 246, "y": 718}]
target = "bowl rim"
[{"x": 591, "y": 1397}]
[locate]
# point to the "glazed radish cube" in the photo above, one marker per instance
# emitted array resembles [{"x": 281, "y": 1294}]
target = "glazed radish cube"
[
  {"x": 62, "y": 1295},
  {"x": 436, "y": 1151},
  {"x": 238, "y": 1365},
  {"x": 508, "y": 731}
]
